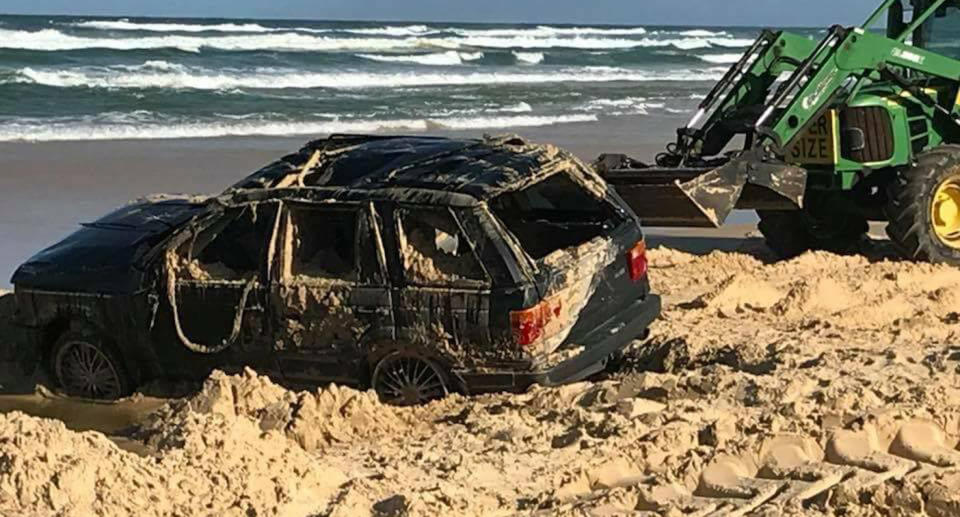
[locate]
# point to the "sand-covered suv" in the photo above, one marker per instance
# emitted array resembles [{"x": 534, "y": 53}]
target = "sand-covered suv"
[{"x": 414, "y": 265}]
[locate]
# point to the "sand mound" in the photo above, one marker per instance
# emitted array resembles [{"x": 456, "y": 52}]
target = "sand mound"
[
  {"x": 206, "y": 463},
  {"x": 312, "y": 420},
  {"x": 819, "y": 296},
  {"x": 663, "y": 258},
  {"x": 740, "y": 294},
  {"x": 826, "y": 299}
]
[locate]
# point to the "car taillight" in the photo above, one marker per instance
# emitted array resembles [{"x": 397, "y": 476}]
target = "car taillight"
[
  {"x": 637, "y": 261},
  {"x": 527, "y": 326},
  {"x": 530, "y": 325}
]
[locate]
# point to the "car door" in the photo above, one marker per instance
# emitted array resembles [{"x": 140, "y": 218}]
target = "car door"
[
  {"x": 441, "y": 287},
  {"x": 331, "y": 302},
  {"x": 217, "y": 284}
]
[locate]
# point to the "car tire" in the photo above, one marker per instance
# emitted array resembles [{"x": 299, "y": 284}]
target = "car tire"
[
  {"x": 408, "y": 379},
  {"x": 790, "y": 233},
  {"x": 84, "y": 365},
  {"x": 913, "y": 211}
]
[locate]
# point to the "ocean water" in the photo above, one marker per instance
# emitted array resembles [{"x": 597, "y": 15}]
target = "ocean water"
[{"x": 80, "y": 78}]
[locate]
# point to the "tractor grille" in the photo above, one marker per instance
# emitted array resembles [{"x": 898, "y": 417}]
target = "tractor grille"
[{"x": 866, "y": 134}]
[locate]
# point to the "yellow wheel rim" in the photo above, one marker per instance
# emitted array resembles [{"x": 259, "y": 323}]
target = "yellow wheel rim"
[{"x": 945, "y": 212}]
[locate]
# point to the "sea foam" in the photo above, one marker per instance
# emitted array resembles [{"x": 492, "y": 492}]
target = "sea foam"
[
  {"x": 451, "y": 57},
  {"x": 155, "y": 75},
  {"x": 61, "y": 131},
  {"x": 55, "y": 40}
]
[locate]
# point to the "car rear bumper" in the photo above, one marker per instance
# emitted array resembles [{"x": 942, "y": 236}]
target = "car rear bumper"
[{"x": 608, "y": 338}]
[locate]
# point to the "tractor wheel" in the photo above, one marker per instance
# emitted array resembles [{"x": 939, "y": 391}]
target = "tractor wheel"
[
  {"x": 792, "y": 232},
  {"x": 923, "y": 207},
  {"x": 408, "y": 379},
  {"x": 85, "y": 366}
]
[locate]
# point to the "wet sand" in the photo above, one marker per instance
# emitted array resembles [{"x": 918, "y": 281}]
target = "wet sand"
[{"x": 109, "y": 418}]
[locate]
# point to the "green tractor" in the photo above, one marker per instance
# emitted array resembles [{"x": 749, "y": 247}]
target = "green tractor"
[{"x": 861, "y": 126}]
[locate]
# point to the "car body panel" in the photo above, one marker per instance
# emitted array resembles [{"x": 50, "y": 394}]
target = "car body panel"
[{"x": 101, "y": 257}]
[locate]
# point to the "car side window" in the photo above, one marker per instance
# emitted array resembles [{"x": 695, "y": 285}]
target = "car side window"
[
  {"x": 331, "y": 243},
  {"x": 324, "y": 244},
  {"x": 232, "y": 248},
  {"x": 435, "y": 251}
]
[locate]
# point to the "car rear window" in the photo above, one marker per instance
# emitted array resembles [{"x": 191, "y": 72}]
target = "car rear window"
[{"x": 554, "y": 214}]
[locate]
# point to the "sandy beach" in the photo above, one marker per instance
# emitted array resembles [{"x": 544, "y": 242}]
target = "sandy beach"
[{"x": 823, "y": 385}]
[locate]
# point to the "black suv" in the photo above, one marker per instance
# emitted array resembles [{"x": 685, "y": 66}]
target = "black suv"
[{"x": 414, "y": 265}]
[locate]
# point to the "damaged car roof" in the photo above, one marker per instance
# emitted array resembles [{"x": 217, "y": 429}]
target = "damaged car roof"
[{"x": 412, "y": 167}]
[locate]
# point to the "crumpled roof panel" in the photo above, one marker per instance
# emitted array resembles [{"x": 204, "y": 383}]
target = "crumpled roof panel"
[{"x": 480, "y": 168}]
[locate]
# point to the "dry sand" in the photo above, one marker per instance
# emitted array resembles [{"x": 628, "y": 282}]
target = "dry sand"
[{"x": 821, "y": 385}]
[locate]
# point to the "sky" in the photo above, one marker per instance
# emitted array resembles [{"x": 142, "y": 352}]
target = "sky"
[{"x": 808, "y": 13}]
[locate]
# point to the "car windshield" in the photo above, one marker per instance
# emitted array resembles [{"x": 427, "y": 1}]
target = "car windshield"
[{"x": 554, "y": 214}]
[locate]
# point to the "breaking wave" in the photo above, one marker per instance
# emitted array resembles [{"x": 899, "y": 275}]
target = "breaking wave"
[
  {"x": 410, "y": 30},
  {"x": 721, "y": 59},
  {"x": 590, "y": 43},
  {"x": 451, "y": 57},
  {"x": 530, "y": 58},
  {"x": 55, "y": 40},
  {"x": 625, "y": 106},
  {"x": 160, "y": 74},
  {"x": 60, "y": 131},
  {"x": 416, "y": 30},
  {"x": 521, "y": 107},
  {"x": 127, "y": 25},
  {"x": 548, "y": 31},
  {"x": 700, "y": 33}
]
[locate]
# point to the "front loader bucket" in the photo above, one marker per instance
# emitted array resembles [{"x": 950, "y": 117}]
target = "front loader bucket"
[
  {"x": 656, "y": 198},
  {"x": 716, "y": 192},
  {"x": 705, "y": 197}
]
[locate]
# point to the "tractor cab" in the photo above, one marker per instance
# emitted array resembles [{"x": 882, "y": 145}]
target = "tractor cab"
[{"x": 939, "y": 32}]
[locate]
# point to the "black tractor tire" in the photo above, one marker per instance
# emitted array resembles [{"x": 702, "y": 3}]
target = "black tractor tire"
[
  {"x": 790, "y": 233},
  {"x": 409, "y": 379},
  {"x": 909, "y": 209},
  {"x": 85, "y": 365}
]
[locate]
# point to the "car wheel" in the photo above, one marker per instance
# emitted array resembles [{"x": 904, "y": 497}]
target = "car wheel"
[
  {"x": 790, "y": 233},
  {"x": 84, "y": 366},
  {"x": 405, "y": 379}
]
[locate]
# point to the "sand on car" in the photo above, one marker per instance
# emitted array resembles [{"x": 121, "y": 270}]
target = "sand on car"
[{"x": 419, "y": 266}]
